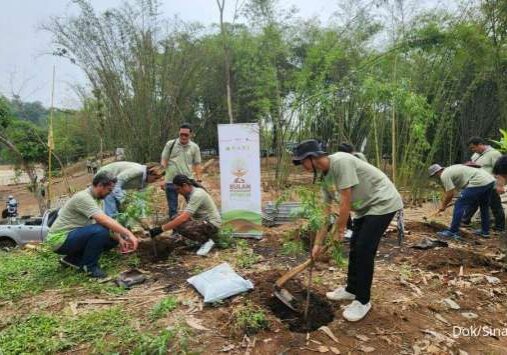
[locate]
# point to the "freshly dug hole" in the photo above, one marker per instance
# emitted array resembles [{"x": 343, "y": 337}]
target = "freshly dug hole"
[{"x": 320, "y": 313}]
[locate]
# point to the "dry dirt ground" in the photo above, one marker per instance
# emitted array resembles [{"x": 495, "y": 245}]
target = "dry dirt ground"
[{"x": 412, "y": 294}]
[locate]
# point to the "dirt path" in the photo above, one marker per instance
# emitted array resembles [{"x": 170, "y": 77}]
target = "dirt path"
[{"x": 411, "y": 311}]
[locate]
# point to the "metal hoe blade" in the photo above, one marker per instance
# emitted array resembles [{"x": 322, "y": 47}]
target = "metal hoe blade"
[{"x": 287, "y": 298}]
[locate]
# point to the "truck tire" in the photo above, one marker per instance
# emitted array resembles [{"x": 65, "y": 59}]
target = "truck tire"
[{"x": 7, "y": 243}]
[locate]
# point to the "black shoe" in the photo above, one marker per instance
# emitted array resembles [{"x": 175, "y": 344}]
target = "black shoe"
[
  {"x": 466, "y": 223},
  {"x": 68, "y": 261},
  {"x": 499, "y": 229},
  {"x": 94, "y": 271}
]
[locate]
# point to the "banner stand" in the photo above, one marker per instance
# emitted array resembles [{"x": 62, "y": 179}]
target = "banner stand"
[{"x": 240, "y": 178}]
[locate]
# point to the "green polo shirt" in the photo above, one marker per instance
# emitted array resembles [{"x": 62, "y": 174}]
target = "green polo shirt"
[
  {"x": 77, "y": 212},
  {"x": 360, "y": 156},
  {"x": 182, "y": 158},
  {"x": 130, "y": 175},
  {"x": 201, "y": 207},
  {"x": 487, "y": 159},
  {"x": 461, "y": 176},
  {"x": 372, "y": 191}
]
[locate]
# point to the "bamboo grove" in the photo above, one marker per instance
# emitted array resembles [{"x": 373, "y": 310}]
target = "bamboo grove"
[{"x": 408, "y": 86}]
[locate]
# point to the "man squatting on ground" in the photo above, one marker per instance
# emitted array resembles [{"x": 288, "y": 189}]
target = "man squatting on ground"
[
  {"x": 486, "y": 156},
  {"x": 180, "y": 156},
  {"x": 82, "y": 232},
  {"x": 368, "y": 192},
  {"x": 477, "y": 185},
  {"x": 130, "y": 176},
  {"x": 200, "y": 220}
]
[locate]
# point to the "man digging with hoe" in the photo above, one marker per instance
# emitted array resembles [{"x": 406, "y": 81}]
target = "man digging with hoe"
[{"x": 368, "y": 192}]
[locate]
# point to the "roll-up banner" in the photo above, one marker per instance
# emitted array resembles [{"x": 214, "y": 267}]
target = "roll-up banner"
[{"x": 240, "y": 178}]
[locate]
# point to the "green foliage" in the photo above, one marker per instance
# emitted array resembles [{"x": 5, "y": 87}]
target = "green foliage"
[
  {"x": 502, "y": 143},
  {"x": 33, "y": 112},
  {"x": 162, "y": 308},
  {"x": 293, "y": 248},
  {"x": 245, "y": 256},
  {"x": 249, "y": 319},
  {"x": 225, "y": 238},
  {"x": 136, "y": 206},
  {"x": 5, "y": 113},
  {"x": 292, "y": 244},
  {"x": 338, "y": 254},
  {"x": 436, "y": 81},
  {"x": 312, "y": 208},
  {"x": 26, "y": 273},
  {"x": 28, "y": 139}
]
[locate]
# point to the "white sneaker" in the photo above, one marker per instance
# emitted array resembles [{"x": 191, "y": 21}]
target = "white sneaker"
[
  {"x": 356, "y": 311},
  {"x": 340, "y": 294},
  {"x": 348, "y": 234}
]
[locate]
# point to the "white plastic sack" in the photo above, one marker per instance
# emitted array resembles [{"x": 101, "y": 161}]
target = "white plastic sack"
[{"x": 219, "y": 283}]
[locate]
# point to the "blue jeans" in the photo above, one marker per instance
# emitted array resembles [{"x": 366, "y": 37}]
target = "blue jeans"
[
  {"x": 172, "y": 199},
  {"x": 84, "y": 245},
  {"x": 112, "y": 201},
  {"x": 468, "y": 198}
]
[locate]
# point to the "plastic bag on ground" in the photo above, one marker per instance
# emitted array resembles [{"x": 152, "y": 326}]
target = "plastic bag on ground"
[{"x": 219, "y": 283}]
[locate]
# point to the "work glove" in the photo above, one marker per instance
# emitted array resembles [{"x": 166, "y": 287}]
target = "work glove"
[{"x": 155, "y": 231}]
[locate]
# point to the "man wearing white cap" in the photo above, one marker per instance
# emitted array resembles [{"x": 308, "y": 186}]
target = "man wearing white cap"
[{"x": 477, "y": 186}]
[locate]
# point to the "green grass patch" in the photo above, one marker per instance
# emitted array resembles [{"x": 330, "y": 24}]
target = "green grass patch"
[
  {"x": 104, "y": 331},
  {"x": 249, "y": 319},
  {"x": 27, "y": 273},
  {"x": 245, "y": 256},
  {"x": 163, "y": 307}
]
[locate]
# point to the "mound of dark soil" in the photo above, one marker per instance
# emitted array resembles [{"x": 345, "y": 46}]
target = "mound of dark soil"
[{"x": 450, "y": 257}]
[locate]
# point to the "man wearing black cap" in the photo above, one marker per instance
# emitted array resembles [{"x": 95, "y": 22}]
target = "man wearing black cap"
[{"x": 368, "y": 192}]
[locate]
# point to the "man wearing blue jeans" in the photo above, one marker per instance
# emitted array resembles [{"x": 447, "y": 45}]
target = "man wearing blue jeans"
[
  {"x": 180, "y": 156},
  {"x": 130, "y": 176},
  {"x": 82, "y": 232},
  {"x": 477, "y": 186}
]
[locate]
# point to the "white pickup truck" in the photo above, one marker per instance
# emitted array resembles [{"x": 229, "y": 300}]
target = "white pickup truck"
[{"x": 20, "y": 231}]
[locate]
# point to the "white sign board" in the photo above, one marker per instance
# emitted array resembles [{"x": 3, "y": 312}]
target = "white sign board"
[{"x": 240, "y": 178}]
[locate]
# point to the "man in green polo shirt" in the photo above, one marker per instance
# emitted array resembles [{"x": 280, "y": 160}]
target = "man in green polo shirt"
[
  {"x": 476, "y": 185},
  {"x": 82, "y": 232},
  {"x": 486, "y": 156},
  {"x": 180, "y": 156},
  {"x": 130, "y": 176},
  {"x": 368, "y": 192}
]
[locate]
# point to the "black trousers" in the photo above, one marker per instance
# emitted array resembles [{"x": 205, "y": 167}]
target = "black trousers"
[
  {"x": 366, "y": 235},
  {"x": 495, "y": 204}
]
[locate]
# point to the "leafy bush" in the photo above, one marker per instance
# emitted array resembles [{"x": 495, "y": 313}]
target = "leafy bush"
[
  {"x": 225, "y": 238},
  {"x": 135, "y": 207}
]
